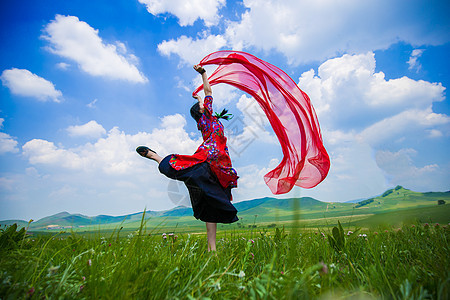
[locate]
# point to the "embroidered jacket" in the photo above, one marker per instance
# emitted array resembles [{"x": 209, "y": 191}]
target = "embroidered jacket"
[{"x": 213, "y": 150}]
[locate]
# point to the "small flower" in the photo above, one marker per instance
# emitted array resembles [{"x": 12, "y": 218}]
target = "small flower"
[
  {"x": 31, "y": 291},
  {"x": 109, "y": 245},
  {"x": 282, "y": 273},
  {"x": 386, "y": 231},
  {"x": 436, "y": 225},
  {"x": 164, "y": 237},
  {"x": 252, "y": 255},
  {"x": 349, "y": 232},
  {"x": 170, "y": 234},
  {"x": 164, "y": 234},
  {"x": 175, "y": 237},
  {"x": 81, "y": 287},
  {"x": 426, "y": 225},
  {"x": 89, "y": 262},
  {"x": 412, "y": 226},
  {"x": 376, "y": 233},
  {"x": 252, "y": 241},
  {"x": 241, "y": 274},
  {"x": 83, "y": 278},
  {"x": 324, "y": 269},
  {"x": 53, "y": 270}
]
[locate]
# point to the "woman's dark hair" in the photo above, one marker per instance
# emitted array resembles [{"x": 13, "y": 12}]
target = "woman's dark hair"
[{"x": 195, "y": 112}]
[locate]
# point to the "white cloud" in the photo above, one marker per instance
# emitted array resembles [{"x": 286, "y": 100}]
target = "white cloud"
[
  {"x": 348, "y": 93},
  {"x": 114, "y": 154},
  {"x": 91, "y": 129},
  {"x": 78, "y": 41},
  {"x": 62, "y": 65},
  {"x": 191, "y": 51},
  {"x": 187, "y": 11},
  {"x": 409, "y": 122},
  {"x": 7, "y": 144},
  {"x": 434, "y": 133},
  {"x": 92, "y": 104},
  {"x": 317, "y": 30},
  {"x": 401, "y": 170},
  {"x": 22, "y": 82},
  {"x": 413, "y": 62},
  {"x": 41, "y": 151}
]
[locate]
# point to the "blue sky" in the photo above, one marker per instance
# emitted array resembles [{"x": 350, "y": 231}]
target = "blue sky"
[{"x": 85, "y": 82}]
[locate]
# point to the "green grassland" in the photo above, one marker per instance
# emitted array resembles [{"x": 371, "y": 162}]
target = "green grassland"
[
  {"x": 410, "y": 262},
  {"x": 394, "y": 246}
]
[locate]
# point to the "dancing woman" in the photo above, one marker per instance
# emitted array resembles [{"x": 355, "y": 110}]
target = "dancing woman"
[{"x": 207, "y": 174}]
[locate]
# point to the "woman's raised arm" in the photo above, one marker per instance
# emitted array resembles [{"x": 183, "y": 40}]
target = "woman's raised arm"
[{"x": 206, "y": 86}]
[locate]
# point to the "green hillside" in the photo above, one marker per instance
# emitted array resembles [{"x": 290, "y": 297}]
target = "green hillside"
[
  {"x": 393, "y": 206},
  {"x": 431, "y": 214}
]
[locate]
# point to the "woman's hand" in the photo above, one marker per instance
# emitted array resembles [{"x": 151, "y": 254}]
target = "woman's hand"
[
  {"x": 206, "y": 86},
  {"x": 199, "y": 69}
]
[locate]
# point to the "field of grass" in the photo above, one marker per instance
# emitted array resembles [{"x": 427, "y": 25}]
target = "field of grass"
[{"x": 410, "y": 262}]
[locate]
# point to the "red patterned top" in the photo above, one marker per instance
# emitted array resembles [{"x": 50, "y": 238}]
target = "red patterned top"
[{"x": 213, "y": 150}]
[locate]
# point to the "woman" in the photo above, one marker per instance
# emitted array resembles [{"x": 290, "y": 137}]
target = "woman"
[{"x": 208, "y": 174}]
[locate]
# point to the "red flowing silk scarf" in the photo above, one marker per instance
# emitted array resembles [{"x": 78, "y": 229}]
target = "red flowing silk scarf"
[{"x": 305, "y": 161}]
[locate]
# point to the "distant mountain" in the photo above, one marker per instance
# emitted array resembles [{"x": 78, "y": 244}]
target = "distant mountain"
[{"x": 264, "y": 209}]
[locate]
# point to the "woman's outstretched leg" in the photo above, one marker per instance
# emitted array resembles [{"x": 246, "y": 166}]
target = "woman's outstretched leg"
[
  {"x": 148, "y": 153},
  {"x": 211, "y": 229}
]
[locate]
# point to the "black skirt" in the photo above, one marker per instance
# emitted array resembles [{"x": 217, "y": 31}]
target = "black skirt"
[{"x": 210, "y": 201}]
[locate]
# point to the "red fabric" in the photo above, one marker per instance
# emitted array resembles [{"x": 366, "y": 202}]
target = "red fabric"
[
  {"x": 214, "y": 149},
  {"x": 305, "y": 161}
]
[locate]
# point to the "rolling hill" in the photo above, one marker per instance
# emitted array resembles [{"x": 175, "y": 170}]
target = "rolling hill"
[{"x": 390, "y": 205}]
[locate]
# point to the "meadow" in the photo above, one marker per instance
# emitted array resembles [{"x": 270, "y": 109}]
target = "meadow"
[{"x": 345, "y": 261}]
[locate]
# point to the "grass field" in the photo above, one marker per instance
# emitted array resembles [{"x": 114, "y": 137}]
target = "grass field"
[
  {"x": 408, "y": 262},
  {"x": 394, "y": 246}
]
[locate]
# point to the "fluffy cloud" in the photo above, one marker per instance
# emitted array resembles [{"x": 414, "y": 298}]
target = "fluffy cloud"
[
  {"x": 191, "y": 51},
  {"x": 413, "y": 60},
  {"x": 187, "y": 11},
  {"x": 361, "y": 113},
  {"x": 114, "y": 154},
  {"x": 409, "y": 122},
  {"x": 7, "y": 143},
  {"x": 22, "y": 82},
  {"x": 347, "y": 92},
  {"x": 90, "y": 129},
  {"x": 316, "y": 30},
  {"x": 400, "y": 169},
  {"x": 78, "y": 41}
]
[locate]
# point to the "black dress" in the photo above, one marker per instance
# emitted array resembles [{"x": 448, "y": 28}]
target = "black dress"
[{"x": 210, "y": 201}]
